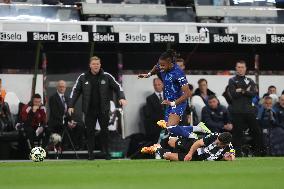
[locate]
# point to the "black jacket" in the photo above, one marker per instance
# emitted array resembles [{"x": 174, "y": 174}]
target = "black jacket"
[
  {"x": 215, "y": 119},
  {"x": 153, "y": 112},
  {"x": 242, "y": 102},
  {"x": 83, "y": 86},
  {"x": 56, "y": 110}
]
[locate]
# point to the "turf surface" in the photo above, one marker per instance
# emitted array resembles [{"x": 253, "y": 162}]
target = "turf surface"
[{"x": 243, "y": 173}]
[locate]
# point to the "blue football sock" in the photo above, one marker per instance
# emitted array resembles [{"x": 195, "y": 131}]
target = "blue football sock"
[{"x": 183, "y": 131}]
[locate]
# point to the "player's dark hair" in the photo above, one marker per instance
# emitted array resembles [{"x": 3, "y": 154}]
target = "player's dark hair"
[
  {"x": 169, "y": 54},
  {"x": 225, "y": 137}
]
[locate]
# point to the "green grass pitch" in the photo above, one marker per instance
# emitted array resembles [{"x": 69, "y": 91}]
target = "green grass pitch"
[{"x": 266, "y": 173}]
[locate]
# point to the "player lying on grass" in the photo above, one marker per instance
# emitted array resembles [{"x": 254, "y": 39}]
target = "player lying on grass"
[{"x": 186, "y": 147}]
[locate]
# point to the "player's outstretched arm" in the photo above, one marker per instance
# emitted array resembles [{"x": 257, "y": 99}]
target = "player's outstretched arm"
[{"x": 152, "y": 72}]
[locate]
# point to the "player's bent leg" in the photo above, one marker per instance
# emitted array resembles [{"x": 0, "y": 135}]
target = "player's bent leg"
[
  {"x": 150, "y": 149},
  {"x": 174, "y": 119},
  {"x": 184, "y": 131}
]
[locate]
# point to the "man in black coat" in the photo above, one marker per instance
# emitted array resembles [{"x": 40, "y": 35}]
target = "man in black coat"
[
  {"x": 58, "y": 108},
  {"x": 154, "y": 111},
  {"x": 96, "y": 87},
  {"x": 58, "y": 117},
  {"x": 243, "y": 90}
]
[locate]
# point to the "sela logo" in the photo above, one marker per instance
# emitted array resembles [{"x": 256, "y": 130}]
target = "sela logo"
[
  {"x": 157, "y": 37},
  {"x": 252, "y": 39},
  {"x": 13, "y": 36},
  {"x": 73, "y": 37},
  {"x": 223, "y": 38},
  {"x": 104, "y": 37},
  {"x": 39, "y": 36},
  {"x": 134, "y": 37},
  {"x": 277, "y": 39},
  {"x": 194, "y": 38}
]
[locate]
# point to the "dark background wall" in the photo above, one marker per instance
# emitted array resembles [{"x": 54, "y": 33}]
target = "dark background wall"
[{"x": 73, "y": 57}]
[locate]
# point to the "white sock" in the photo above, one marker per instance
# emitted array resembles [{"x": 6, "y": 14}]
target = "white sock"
[
  {"x": 197, "y": 129},
  {"x": 192, "y": 135}
]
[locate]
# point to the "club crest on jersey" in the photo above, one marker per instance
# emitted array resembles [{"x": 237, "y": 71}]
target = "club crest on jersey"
[{"x": 103, "y": 82}]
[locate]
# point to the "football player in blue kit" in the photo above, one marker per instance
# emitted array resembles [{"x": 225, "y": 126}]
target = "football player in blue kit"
[{"x": 176, "y": 90}]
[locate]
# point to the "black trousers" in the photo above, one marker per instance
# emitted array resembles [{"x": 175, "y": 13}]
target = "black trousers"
[
  {"x": 242, "y": 121},
  {"x": 30, "y": 134},
  {"x": 90, "y": 122}
]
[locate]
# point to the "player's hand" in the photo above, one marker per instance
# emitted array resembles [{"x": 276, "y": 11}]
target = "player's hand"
[
  {"x": 122, "y": 102},
  {"x": 70, "y": 111},
  {"x": 39, "y": 130},
  {"x": 188, "y": 157},
  {"x": 140, "y": 76},
  {"x": 35, "y": 108},
  {"x": 166, "y": 102}
]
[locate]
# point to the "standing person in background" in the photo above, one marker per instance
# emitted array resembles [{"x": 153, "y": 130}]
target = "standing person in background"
[
  {"x": 243, "y": 90},
  {"x": 58, "y": 117},
  {"x": 96, "y": 87},
  {"x": 154, "y": 111},
  {"x": 58, "y": 108}
]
